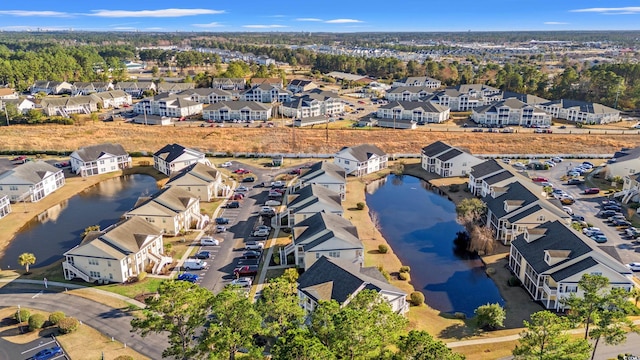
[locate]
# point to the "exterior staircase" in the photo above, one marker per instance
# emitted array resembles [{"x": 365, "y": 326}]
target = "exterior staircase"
[
  {"x": 159, "y": 261},
  {"x": 68, "y": 267},
  {"x": 289, "y": 249},
  {"x": 630, "y": 194}
]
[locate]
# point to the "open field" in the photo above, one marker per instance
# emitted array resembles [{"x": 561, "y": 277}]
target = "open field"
[{"x": 151, "y": 138}]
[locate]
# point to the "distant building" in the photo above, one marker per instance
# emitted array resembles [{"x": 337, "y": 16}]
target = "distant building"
[
  {"x": 581, "y": 111},
  {"x": 510, "y": 112},
  {"x": 229, "y": 84},
  {"x": 361, "y": 160},
  {"x": 266, "y": 93},
  {"x": 87, "y": 88},
  {"x": 99, "y": 159},
  {"x": 51, "y": 87},
  {"x": 466, "y": 97},
  {"x": 174, "y": 157},
  {"x": 277, "y": 82},
  {"x": 113, "y": 98},
  {"x": 421, "y": 81},
  {"x": 173, "y": 88},
  {"x": 408, "y": 93},
  {"x": 136, "y": 89},
  {"x": 171, "y": 105},
  {"x": 8, "y": 94},
  {"x": 301, "y": 85},
  {"x": 207, "y": 95},
  {"x": 312, "y": 104},
  {"x": 237, "y": 110},
  {"x": 64, "y": 106},
  {"x": 446, "y": 160},
  {"x": 416, "y": 111}
]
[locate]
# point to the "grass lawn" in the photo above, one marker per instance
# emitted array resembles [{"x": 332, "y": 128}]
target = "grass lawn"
[
  {"x": 148, "y": 285},
  {"x": 74, "y": 344},
  {"x": 496, "y": 350}
]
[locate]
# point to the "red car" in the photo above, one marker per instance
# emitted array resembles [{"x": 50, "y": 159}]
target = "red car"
[
  {"x": 540, "y": 179},
  {"x": 247, "y": 270},
  {"x": 242, "y": 171},
  {"x": 237, "y": 196},
  {"x": 592, "y": 191}
]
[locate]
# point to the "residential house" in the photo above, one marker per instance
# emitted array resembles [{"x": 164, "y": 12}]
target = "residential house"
[
  {"x": 277, "y": 82},
  {"x": 87, "y": 88},
  {"x": 266, "y": 93},
  {"x": 446, "y": 160},
  {"x": 581, "y": 111},
  {"x": 136, "y": 88},
  {"x": 631, "y": 188},
  {"x": 481, "y": 171},
  {"x": 301, "y": 85},
  {"x": 145, "y": 119},
  {"x": 324, "y": 234},
  {"x": 207, "y": 95},
  {"x": 174, "y": 157},
  {"x": 117, "y": 253},
  {"x": 313, "y": 103},
  {"x": 99, "y": 159},
  {"x": 229, "y": 84},
  {"x": 171, "y": 105},
  {"x": 624, "y": 163},
  {"x": 311, "y": 121},
  {"x": 173, "y": 88},
  {"x": 309, "y": 201},
  {"x": 336, "y": 279},
  {"x": 265, "y": 60},
  {"x": 8, "y": 94},
  {"x": 31, "y": 181},
  {"x": 113, "y": 99},
  {"x": 513, "y": 208},
  {"x": 361, "y": 160},
  {"x": 237, "y": 110},
  {"x": 326, "y": 174},
  {"x": 51, "y": 87},
  {"x": 63, "y": 106},
  {"x": 202, "y": 181},
  {"x": 172, "y": 209},
  {"x": 510, "y": 112},
  {"x": 23, "y": 105},
  {"x": 466, "y": 97},
  {"x": 408, "y": 93},
  {"x": 418, "y": 112},
  {"x": 418, "y": 81},
  {"x": 5, "y": 206},
  {"x": 551, "y": 258}
]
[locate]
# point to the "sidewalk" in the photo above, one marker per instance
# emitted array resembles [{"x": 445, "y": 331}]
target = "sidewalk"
[{"x": 76, "y": 286}]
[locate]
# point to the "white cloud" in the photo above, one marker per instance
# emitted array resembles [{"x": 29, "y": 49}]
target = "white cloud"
[
  {"x": 34, "y": 13},
  {"x": 308, "y": 19},
  {"x": 611, "y": 11},
  {"x": 274, "y": 26},
  {"x": 154, "y": 28},
  {"x": 555, "y": 23},
  {"x": 160, "y": 13},
  {"x": 343, "y": 21},
  {"x": 207, "y": 26}
]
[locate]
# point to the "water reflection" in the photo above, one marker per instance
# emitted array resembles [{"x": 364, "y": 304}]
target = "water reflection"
[
  {"x": 420, "y": 226},
  {"x": 58, "y": 229}
]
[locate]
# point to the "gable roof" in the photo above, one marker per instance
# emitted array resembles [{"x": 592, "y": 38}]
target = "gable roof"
[
  {"x": 170, "y": 152},
  {"x": 321, "y": 227},
  {"x": 113, "y": 94},
  {"x": 485, "y": 168},
  {"x": 413, "y": 105},
  {"x": 238, "y": 105},
  {"x": 529, "y": 99},
  {"x": 168, "y": 201},
  {"x": 515, "y": 192},
  {"x": 556, "y": 237},
  {"x": 436, "y": 148},
  {"x": 574, "y": 269},
  {"x": 141, "y": 85},
  {"x": 67, "y": 101},
  {"x": 198, "y": 172},
  {"x": 449, "y": 154},
  {"x": 166, "y": 86},
  {"x": 205, "y": 92},
  {"x": 29, "y": 173},
  {"x": 363, "y": 152},
  {"x": 335, "y": 279},
  {"x": 410, "y": 89},
  {"x": 313, "y": 194},
  {"x": 503, "y": 175},
  {"x": 94, "y": 152},
  {"x": 321, "y": 168},
  {"x": 627, "y": 154},
  {"x": 582, "y": 106}
]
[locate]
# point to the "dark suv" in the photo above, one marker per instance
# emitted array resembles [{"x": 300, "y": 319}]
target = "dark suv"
[{"x": 233, "y": 205}]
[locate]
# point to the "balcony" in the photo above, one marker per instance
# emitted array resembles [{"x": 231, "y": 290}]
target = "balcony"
[{"x": 550, "y": 290}]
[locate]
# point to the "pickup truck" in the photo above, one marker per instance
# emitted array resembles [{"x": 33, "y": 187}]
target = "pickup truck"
[{"x": 248, "y": 270}]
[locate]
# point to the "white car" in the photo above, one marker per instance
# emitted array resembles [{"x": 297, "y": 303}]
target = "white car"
[
  {"x": 272, "y": 203},
  {"x": 518, "y": 164},
  {"x": 261, "y": 233},
  {"x": 242, "y": 282},
  {"x": 568, "y": 210},
  {"x": 209, "y": 241},
  {"x": 546, "y": 183},
  {"x": 550, "y": 163},
  {"x": 589, "y": 229},
  {"x": 242, "y": 189},
  {"x": 506, "y": 161},
  {"x": 267, "y": 210},
  {"x": 634, "y": 266},
  {"x": 226, "y": 164},
  {"x": 254, "y": 245},
  {"x": 557, "y": 159}
]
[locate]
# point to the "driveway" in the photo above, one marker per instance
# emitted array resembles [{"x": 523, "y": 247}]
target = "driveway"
[
  {"x": 107, "y": 320},
  {"x": 588, "y": 206}
]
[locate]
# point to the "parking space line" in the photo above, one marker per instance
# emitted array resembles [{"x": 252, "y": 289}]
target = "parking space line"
[{"x": 37, "y": 347}]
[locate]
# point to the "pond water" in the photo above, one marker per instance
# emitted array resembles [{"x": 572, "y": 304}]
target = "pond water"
[
  {"x": 420, "y": 225},
  {"x": 58, "y": 229}
]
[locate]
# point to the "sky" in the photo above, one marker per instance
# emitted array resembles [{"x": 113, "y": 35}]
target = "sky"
[{"x": 320, "y": 16}]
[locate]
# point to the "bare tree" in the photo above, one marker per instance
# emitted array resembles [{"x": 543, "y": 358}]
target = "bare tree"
[
  {"x": 481, "y": 239},
  {"x": 375, "y": 221}
]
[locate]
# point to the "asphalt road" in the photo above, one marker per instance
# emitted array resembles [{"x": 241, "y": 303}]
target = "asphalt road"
[
  {"x": 109, "y": 321},
  {"x": 588, "y": 206}
]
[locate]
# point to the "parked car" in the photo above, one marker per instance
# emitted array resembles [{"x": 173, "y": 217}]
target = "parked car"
[
  {"x": 203, "y": 255},
  {"x": 540, "y": 179},
  {"x": 573, "y": 173},
  {"x": 274, "y": 194},
  {"x": 233, "y": 205},
  {"x": 577, "y": 218},
  {"x": 278, "y": 184},
  {"x": 226, "y": 164},
  {"x": 251, "y": 254},
  {"x": 557, "y": 159},
  {"x": 194, "y": 264},
  {"x": 254, "y": 245},
  {"x": 609, "y": 202},
  {"x": 222, "y": 221},
  {"x": 613, "y": 207},
  {"x": 567, "y": 201},
  {"x": 294, "y": 172},
  {"x": 242, "y": 282},
  {"x": 242, "y": 171},
  {"x": 260, "y": 233},
  {"x": 634, "y": 266},
  {"x": 267, "y": 210},
  {"x": 592, "y": 191},
  {"x": 263, "y": 227},
  {"x": 588, "y": 163},
  {"x": 632, "y": 232},
  {"x": 546, "y": 184},
  {"x": 620, "y": 223},
  {"x": 48, "y": 353},
  {"x": 209, "y": 241},
  {"x": 237, "y": 196},
  {"x": 568, "y": 210},
  {"x": 242, "y": 189},
  {"x": 575, "y": 181},
  {"x": 550, "y": 163},
  {"x": 272, "y": 203},
  {"x": 599, "y": 238},
  {"x": 589, "y": 230},
  {"x": 248, "y": 270},
  {"x": 220, "y": 228},
  {"x": 192, "y": 278},
  {"x": 248, "y": 179}
]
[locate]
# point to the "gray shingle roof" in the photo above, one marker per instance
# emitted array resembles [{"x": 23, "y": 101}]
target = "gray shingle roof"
[
  {"x": 412, "y": 105},
  {"x": 29, "y": 173},
  {"x": 529, "y": 99},
  {"x": 410, "y": 89},
  {"x": 435, "y": 148},
  {"x": 586, "y": 107},
  {"x": 521, "y": 215},
  {"x": 334, "y": 279},
  {"x": 557, "y": 237},
  {"x": 323, "y": 167},
  {"x": 68, "y": 101},
  {"x": 574, "y": 269},
  {"x": 515, "y": 191},
  {"x": 170, "y": 152},
  {"x": 485, "y": 168},
  {"x": 503, "y": 175},
  {"x": 93, "y": 152},
  {"x": 627, "y": 154},
  {"x": 238, "y": 105},
  {"x": 205, "y": 92},
  {"x": 318, "y": 193},
  {"x": 452, "y": 153},
  {"x": 364, "y": 152},
  {"x": 321, "y": 227}
]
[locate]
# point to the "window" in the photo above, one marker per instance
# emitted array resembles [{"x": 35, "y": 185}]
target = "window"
[
  {"x": 597, "y": 273},
  {"x": 110, "y": 276},
  {"x": 571, "y": 288},
  {"x": 93, "y": 262},
  {"x": 335, "y": 254},
  {"x": 94, "y": 274},
  {"x": 109, "y": 263},
  {"x": 541, "y": 218},
  {"x": 346, "y": 162},
  {"x": 317, "y": 255}
]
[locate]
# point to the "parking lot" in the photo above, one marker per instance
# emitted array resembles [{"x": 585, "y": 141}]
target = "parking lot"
[
  {"x": 588, "y": 205},
  {"x": 42, "y": 348}
]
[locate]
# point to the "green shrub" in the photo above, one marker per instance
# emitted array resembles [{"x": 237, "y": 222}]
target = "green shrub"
[
  {"x": 417, "y": 298},
  {"x": 22, "y": 315},
  {"x": 383, "y": 249},
  {"x": 490, "y": 271},
  {"x": 55, "y": 317},
  {"x": 403, "y": 276},
  {"x": 142, "y": 276},
  {"x": 459, "y": 316},
  {"x": 405, "y": 269},
  {"x": 36, "y": 321},
  {"x": 360, "y": 206},
  {"x": 454, "y": 187},
  {"x": 384, "y": 273},
  {"x": 68, "y": 325}
]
